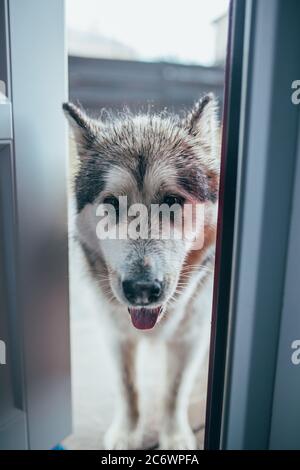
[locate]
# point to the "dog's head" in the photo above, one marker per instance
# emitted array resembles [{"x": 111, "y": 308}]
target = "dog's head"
[{"x": 150, "y": 159}]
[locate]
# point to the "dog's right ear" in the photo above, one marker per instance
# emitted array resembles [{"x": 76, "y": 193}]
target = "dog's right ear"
[
  {"x": 202, "y": 119},
  {"x": 84, "y": 128}
]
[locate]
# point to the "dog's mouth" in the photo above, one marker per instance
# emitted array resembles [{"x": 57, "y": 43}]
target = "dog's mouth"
[{"x": 144, "y": 318}]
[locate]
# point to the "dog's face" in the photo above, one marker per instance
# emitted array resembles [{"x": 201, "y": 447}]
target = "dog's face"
[{"x": 150, "y": 159}]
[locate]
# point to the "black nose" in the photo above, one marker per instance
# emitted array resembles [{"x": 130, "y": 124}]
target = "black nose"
[{"x": 141, "y": 292}]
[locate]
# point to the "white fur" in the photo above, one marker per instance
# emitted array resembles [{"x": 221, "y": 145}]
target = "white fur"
[{"x": 184, "y": 324}]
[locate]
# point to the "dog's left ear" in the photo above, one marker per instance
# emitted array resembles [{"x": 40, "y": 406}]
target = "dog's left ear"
[
  {"x": 202, "y": 119},
  {"x": 202, "y": 122},
  {"x": 85, "y": 129}
]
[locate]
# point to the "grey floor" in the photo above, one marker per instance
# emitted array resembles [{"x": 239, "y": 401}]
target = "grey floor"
[{"x": 93, "y": 394}]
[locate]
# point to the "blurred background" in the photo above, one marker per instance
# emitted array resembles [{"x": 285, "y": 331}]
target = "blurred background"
[{"x": 138, "y": 54}]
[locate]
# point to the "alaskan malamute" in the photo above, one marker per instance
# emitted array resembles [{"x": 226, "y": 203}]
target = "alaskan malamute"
[{"x": 159, "y": 287}]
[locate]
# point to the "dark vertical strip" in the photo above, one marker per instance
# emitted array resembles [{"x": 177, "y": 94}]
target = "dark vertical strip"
[{"x": 224, "y": 246}]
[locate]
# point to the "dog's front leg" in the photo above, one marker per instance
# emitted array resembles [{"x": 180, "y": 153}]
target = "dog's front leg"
[
  {"x": 121, "y": 435},
  {"x": 184, "y": 361}
]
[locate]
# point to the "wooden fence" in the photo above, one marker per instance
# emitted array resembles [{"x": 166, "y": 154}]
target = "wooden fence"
[{"x": 98, "y": 83}]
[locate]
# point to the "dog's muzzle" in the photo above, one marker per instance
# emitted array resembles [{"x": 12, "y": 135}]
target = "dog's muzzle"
[{"x": 143, "y": 295}]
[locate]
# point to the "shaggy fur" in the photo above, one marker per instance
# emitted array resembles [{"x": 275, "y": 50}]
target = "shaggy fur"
[{"x": 148, "y": 157}]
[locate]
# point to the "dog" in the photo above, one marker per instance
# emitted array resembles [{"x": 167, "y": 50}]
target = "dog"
[{"x": 154, "y": 288}]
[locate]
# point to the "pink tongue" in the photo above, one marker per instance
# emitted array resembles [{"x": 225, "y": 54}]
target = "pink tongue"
[{"x": 144, "y": 318}]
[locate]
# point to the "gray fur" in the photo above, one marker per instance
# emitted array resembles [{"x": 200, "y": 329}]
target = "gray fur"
[{"x": 146, "y": 157}]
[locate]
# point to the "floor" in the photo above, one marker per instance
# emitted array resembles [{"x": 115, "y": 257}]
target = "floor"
[{"x": 93, "y": 394}]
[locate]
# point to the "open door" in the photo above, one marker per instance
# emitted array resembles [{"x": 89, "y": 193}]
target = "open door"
[
  {"x": 35, "y": 410},
  {"x": 254, "y": 383}
]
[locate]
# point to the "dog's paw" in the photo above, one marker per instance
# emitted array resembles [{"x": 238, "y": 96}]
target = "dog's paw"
[
  {"x": 179, "y": 439},
  {"x": 116, "y": 438},
  {"x": 121, "y": 438}
]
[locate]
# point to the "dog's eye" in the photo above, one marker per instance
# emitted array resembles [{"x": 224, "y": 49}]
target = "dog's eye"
[
  {"x": 113, "y": 201},
  {"x": 171, "y": 199}
]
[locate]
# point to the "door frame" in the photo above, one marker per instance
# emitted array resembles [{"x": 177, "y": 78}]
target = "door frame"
[{"x": 244, "y": 357}]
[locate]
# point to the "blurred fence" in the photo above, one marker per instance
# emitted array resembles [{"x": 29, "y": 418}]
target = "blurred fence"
[{"x": 98, "y": 83}]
